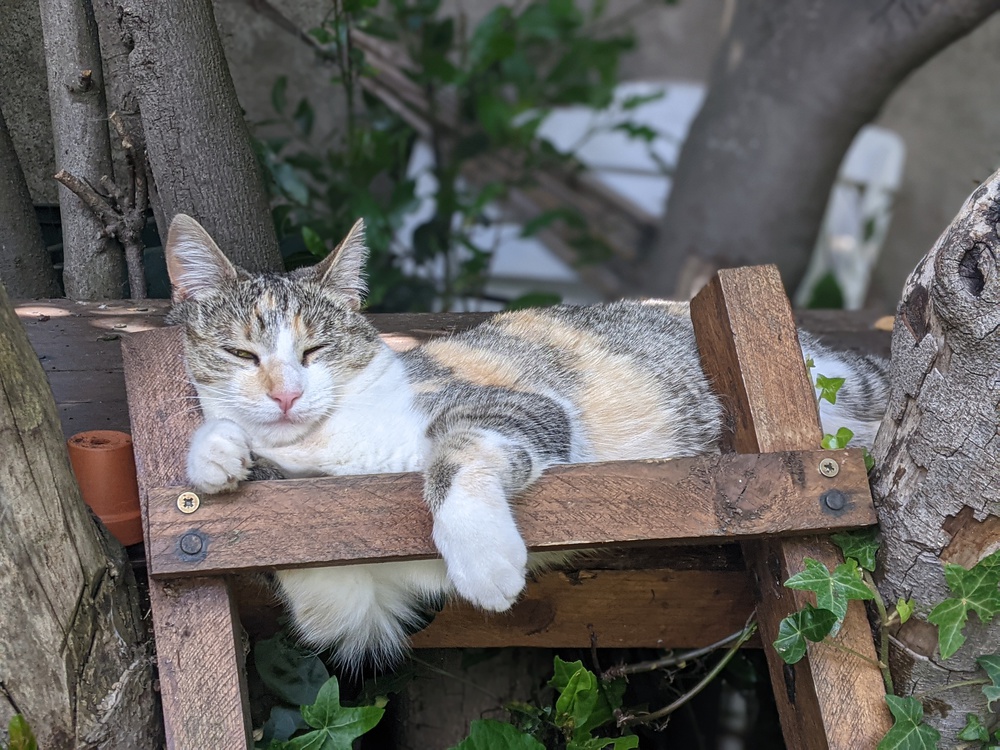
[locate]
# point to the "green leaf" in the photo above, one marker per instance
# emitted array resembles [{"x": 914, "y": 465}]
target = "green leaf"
[
  {"x": 278, "y": 94},
  {"x": 808, "y": 624},
  {"x": 838, "y": 441},
  {"x": 904, "y": 608},
  {"x": 290, "y": 671},
  {"x": 869, "y": 459},
  {"x": 828, "y": 387},
  {"x": 336, "y": 726},
  {"x": 304, "y": 117},
  {"x": 991, "y": 663},
  {"x": 577, "y": 701},
  {"x": 908, "y": 732},
  {"x": 860, "y": 545},
  {"x": 20, "y": 734},
  {"x": 974, "y": 730},
  {"x": 976, "y": 589},
  {"x": 833, "y": 591},
  {"x": 487, "y": 734},
  {"x": 314, "y": 243}
]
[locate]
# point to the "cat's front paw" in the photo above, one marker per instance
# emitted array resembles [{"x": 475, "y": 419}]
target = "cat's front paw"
[
  {"x": 481, "y": 546},
  {"x": 219, "y": 457}
]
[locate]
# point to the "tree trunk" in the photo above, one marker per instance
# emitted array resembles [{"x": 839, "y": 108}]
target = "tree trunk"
[
  {"x": 75, "y": 656},
  {"x": 198, "y": 143},
  {"x": 93, "y": 266},
  {"x": 793, "y": 82},
  {"x": 25, "y": 266},
  {"x": 938, "y": 453}
]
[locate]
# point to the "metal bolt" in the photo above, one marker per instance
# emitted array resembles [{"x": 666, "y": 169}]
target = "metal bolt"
[
  {"x": 834, "y": 499},
  {"x": 191, "y": 543},
  {"x": 188, "y": 502},
  {"x": 829, "y": 468}
]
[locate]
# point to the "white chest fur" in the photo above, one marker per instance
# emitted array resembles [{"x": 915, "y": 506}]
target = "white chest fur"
[{"x": 374, "y": 429}]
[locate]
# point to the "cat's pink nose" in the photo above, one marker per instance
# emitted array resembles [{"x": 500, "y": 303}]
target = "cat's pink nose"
[{"x": 285, "y": 399}]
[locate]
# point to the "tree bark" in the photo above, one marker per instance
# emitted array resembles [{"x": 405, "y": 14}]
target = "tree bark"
[
  {"x": 938, "y": 453},
  {"x": 793, "y": 82},
  {"x": 198, "y": 144},
  {"x": 25, "y": 266},
  {"x": 121, "y": 97},
  {"x": 75, "y": 655},
  {"x": 93, "y": 266}
]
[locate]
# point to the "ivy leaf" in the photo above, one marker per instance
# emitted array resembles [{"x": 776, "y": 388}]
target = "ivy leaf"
[
  {"x": 20, "y": 735},
  {"x": 577, "y": 701},
  {"x": 976, "y": 589},
  {"x": 828, "y": 387},
  {"x": 833, "y": 591},
  {"x": 336, "y": 726},
  {"x": 904, "y": 608},
  {"x": 488, "y": 734},
  {"x": 582, "y": 699},
  {"x": 838, "y": 441},
  {"x": 991, "y": 663},
  {"x": 974, "y": 730},
  {"x": 809, "y": 624},
  {"x": 908, "y": 732},
  {"x": 291, "y": 672},
  {"x": 860, "y": 545}
]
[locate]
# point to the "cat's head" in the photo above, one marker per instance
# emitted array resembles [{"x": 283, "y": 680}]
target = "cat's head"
[{"x": 272, "y": 352}]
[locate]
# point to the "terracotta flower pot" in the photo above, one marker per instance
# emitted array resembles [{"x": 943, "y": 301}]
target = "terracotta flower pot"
[{"x": 105, "y": 469}]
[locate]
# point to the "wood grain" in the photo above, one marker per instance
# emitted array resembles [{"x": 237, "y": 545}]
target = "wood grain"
[
  {"x": 750, "y": 351},
  {"x": 380, "y": 517},
  {"x": 202, "y": 682},
  {"x": 658, "y": 608}
]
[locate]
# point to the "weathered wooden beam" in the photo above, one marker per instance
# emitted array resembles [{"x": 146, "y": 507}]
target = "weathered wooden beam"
[
  {"x": 202, "y": 680},
  {"x": 381, "y": 517},
  {"x": 750, "y": 351}
]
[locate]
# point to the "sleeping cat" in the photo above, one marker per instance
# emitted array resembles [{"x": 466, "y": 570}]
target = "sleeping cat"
[{"x": 290, "y": 374}]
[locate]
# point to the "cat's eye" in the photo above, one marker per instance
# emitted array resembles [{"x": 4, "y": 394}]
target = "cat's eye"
[
  {"x": 309, "y": 352},
  {"x": 244, "y": 354}
]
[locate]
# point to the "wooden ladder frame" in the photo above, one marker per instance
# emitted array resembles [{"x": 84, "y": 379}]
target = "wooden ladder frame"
[{"x": 765, "y": 491}]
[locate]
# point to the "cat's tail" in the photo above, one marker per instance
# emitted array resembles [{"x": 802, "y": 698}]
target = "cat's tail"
[
  {"x": 365, "y": 612},
  {"x": 862, "y": 399}
]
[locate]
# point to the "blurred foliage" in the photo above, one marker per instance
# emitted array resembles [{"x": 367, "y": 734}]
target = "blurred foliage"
[{"x": 488, "y": 88}]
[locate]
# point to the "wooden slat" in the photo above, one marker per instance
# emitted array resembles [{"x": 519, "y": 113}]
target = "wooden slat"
[
  {"x": 658, "y": 608},
  {"x": 202, "y": 682},
  {"x": 371, "y": 518},
  {"x": 750, "y": 351}
]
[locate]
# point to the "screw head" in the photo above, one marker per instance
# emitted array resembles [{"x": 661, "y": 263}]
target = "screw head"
[
  {"x": 828, "y": 467},
  {"x": 834, "y": 499},
  {"x": 191, "y": 543},
  {"x": 188, "y": 502}
]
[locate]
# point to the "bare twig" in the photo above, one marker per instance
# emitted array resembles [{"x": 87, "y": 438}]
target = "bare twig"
[
  {"x": 645, "y": 718},
  {"x": 122, "y": 211},
  {"x": 673, "y": 660}
]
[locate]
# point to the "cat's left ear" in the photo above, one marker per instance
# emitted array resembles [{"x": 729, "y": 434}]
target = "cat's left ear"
[{"x": 344, "y": 268}]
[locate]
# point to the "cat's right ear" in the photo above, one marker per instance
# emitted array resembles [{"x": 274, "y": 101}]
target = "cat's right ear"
[
  {"x": 195, "y": 263},
  {"x": 344, "y": 268}
]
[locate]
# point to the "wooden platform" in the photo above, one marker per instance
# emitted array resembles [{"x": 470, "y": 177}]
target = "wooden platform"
[{"x": 79, "y": 347}]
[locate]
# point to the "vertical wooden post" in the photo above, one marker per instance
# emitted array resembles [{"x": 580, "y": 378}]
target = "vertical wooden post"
[
  {"x": 200, "y": 657},
  {"x": 750, "y": 352}
]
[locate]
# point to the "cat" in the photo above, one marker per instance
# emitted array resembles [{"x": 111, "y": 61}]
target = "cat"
[{"x": 290, "y": 375}]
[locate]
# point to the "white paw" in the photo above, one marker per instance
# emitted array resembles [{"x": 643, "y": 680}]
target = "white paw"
[
  {"x": 481, "y": 546},
  {"x": 219, "y": 456}
]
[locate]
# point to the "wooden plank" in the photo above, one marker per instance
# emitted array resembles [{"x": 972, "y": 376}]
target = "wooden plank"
[
  {"x": 659, "y": 608},
  {"x": 202, "y": 683},
  {"x": 197, "y": 647},
  {"x": 750, "y": 351},
  {"x": 381, "y": 517}
]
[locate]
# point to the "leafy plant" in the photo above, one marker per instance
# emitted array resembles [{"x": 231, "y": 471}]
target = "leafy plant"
[
  {"x": 484, "y": 92},
  {"x": 20, "y": 736},
  {"x": 334, "y": 727}
]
